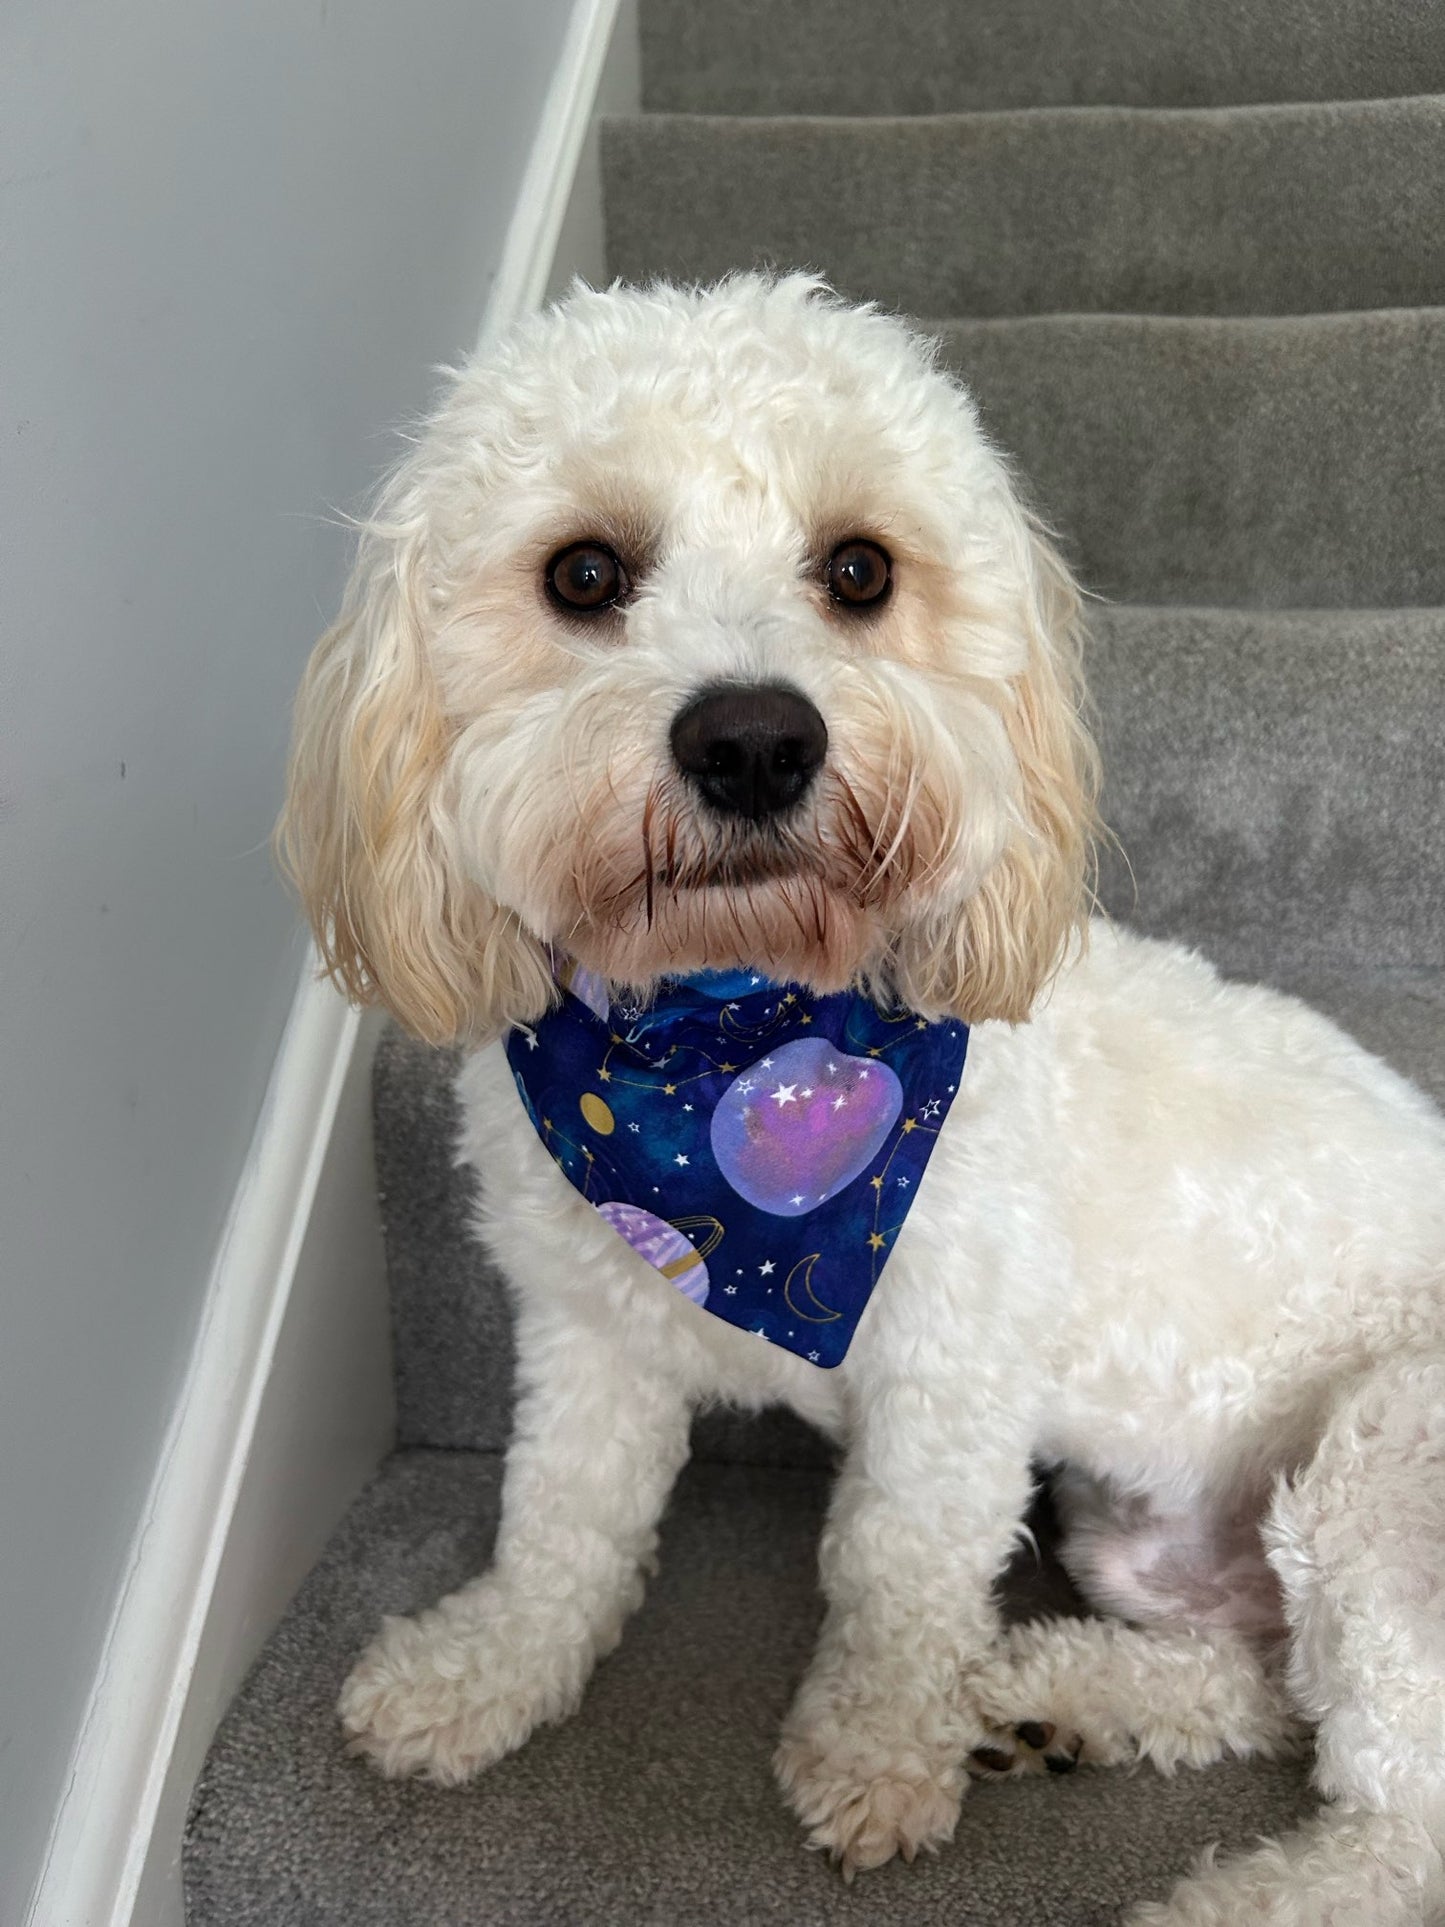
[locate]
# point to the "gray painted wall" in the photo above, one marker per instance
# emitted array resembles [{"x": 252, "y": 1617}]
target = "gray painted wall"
[{"x": 234, "y": 238}]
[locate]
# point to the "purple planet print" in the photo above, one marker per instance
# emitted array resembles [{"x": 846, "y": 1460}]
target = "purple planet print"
[
  {"x": 662, "y": 1245},
  {"x": 797, "y": 1126}
]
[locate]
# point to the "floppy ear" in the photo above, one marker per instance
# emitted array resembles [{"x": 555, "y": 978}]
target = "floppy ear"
[
  {"x": 993, "y": 957},
  {"x": 366, "y": 833}
]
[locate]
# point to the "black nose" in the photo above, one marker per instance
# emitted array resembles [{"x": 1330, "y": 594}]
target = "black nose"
[{"x": 751, "y": 748}]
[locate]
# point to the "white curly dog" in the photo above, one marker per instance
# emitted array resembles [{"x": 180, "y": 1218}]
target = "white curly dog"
[{"x": 1183, "y": 1237}]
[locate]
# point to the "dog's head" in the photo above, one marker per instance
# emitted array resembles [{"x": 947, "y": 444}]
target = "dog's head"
[{"x": 699, "y": 629}]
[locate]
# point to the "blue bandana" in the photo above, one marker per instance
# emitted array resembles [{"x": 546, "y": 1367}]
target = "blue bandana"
[{"x": 759, "y": 1145}]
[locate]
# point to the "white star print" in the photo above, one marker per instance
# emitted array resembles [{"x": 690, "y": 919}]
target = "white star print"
[
  {"x": 679, "y": 1159},
  {"x": 832, "y": 1070},
  {"x": 903, "y": 1184},
  {"x": 863, "y": 1073},
  {"x": 744, "y": 1088},
  {"x": 813, "y": 1356},
  {"x": 531, "y": 1037},
  {"x": 687, "y": 1107},
  {"x": 731, "y": 1290},
  {"x": 839, "y": 1101},
  {"x": 797, "y": 1198},
  {"x": 767, "y": 1269},
  {"x": 766, "y": 1065},
  {"x": 634, "y": 1127},
  {"x": 807, "y": 1093},
  {"x": 785, "y": 1094}
]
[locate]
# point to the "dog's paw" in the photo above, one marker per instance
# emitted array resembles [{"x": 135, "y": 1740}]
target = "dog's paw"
[
  {"x": 446, "y": 1694},
  {"x": 1060, "y": 1693},
  {"x": 863, "y": 1806},
  {"x": 1026, "y": 1746}
]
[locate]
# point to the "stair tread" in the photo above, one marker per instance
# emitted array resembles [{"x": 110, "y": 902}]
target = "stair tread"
[
  {"x": 1251, "y": 210},
  {"x": 1287, "y": 461},
  {"x": 1274, "y": 778},
  {"x": 860, "y": 57},
  {"x": 656, "y": 1799}
]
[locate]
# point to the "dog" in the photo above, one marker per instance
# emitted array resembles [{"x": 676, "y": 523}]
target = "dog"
[{"x": 1180, "y": 1236}]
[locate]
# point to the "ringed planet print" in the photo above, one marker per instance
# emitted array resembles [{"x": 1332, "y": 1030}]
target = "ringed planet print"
[{"x": 759, "y": 1146}]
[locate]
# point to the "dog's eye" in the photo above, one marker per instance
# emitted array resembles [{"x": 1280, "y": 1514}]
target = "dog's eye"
[
  {"x": 586, "y": 578},
  {"x": 859, "y": 573}
]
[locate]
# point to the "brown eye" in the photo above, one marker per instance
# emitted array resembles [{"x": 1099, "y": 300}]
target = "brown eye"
[
  {"x": 586, "y": 578},
  {"x": 859, "y": 573}
]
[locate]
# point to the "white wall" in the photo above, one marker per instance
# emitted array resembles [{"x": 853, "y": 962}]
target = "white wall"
[{"x": 234, "y": 237}]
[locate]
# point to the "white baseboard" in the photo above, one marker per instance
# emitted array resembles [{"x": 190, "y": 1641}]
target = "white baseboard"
[
  {"x": 287, "y": 1405},
  {"x": 556, "y": 230},
  {"x": 285, "y": 1411}
]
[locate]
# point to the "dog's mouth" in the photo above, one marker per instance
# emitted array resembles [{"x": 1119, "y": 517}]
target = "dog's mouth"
[
  {"x": 764, "y": 861},
  {"x": 809, "y": 894}
]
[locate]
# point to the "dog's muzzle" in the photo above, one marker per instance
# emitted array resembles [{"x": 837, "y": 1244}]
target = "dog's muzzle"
[{"x": 749, "y": 749}]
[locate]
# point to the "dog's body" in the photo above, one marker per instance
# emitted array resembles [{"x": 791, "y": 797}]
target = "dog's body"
[{"x": 1181, "y": 1236}]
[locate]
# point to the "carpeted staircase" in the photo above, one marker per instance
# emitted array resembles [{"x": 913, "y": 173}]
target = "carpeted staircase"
[{"x": 1190, "y": 259}]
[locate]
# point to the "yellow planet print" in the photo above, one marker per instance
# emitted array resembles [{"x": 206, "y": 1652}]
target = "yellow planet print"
[{"x": 597, "y": 1114}]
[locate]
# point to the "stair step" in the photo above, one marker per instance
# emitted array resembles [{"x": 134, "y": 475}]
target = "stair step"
[
  {"x": 1246, "y": 210},
  {"x": 937, "y": 56},
  {"x": 1275, "y": 779},
  {"x": 655, "y": 1802},
  {"x": 1283, "y": 461}
]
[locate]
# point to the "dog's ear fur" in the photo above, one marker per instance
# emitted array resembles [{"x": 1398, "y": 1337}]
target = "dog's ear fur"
[
  {"x": 992, "y": 957},
  {"x": 364, "y": 835}
]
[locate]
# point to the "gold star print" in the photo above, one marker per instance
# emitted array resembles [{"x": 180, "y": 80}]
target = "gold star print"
[
  {"x": 805, "y": 1020},
  {"x": 669, "y": 1090},
  {"x": 546, "y": 1123},
  {"x": 790, "y": 998},
  {"x": 877, "y": 1051},
  {"x": 615, "y": 1038},
  {"x": 727, "y": 1067},
  {"x": 604, "y": 1076},
  {"x": 877, "y": 1183},
  {"x": 875, "y": 1243},
  {"x": 922, "y": 1024},
  {"x": 910, "y": 1124}
]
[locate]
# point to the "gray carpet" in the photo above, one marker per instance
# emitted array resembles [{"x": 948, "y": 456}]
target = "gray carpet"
[
  {"x": 1277, "y": 781},
  {"x": 1245, "y": 210},
  {"x": 955, "y": 56},
  {"x": 1286, "y": 462},
  {"x": 655, "y": 1805},
  {"x": 1212, "y": 343}
]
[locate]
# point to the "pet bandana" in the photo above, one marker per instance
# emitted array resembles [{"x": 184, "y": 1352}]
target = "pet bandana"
[{"x": 758, "y": 1145}]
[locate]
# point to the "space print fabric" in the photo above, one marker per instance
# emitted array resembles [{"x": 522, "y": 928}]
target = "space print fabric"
[{"x": 758, "y": 1145}]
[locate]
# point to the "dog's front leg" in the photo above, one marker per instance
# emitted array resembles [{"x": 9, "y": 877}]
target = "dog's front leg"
[
  {"x": 601, "y": 1433},
  {"x": 922, "y": 1521}
]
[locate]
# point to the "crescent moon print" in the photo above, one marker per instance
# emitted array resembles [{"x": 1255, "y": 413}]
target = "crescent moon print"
[{"x": 823, "y": 1315}]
